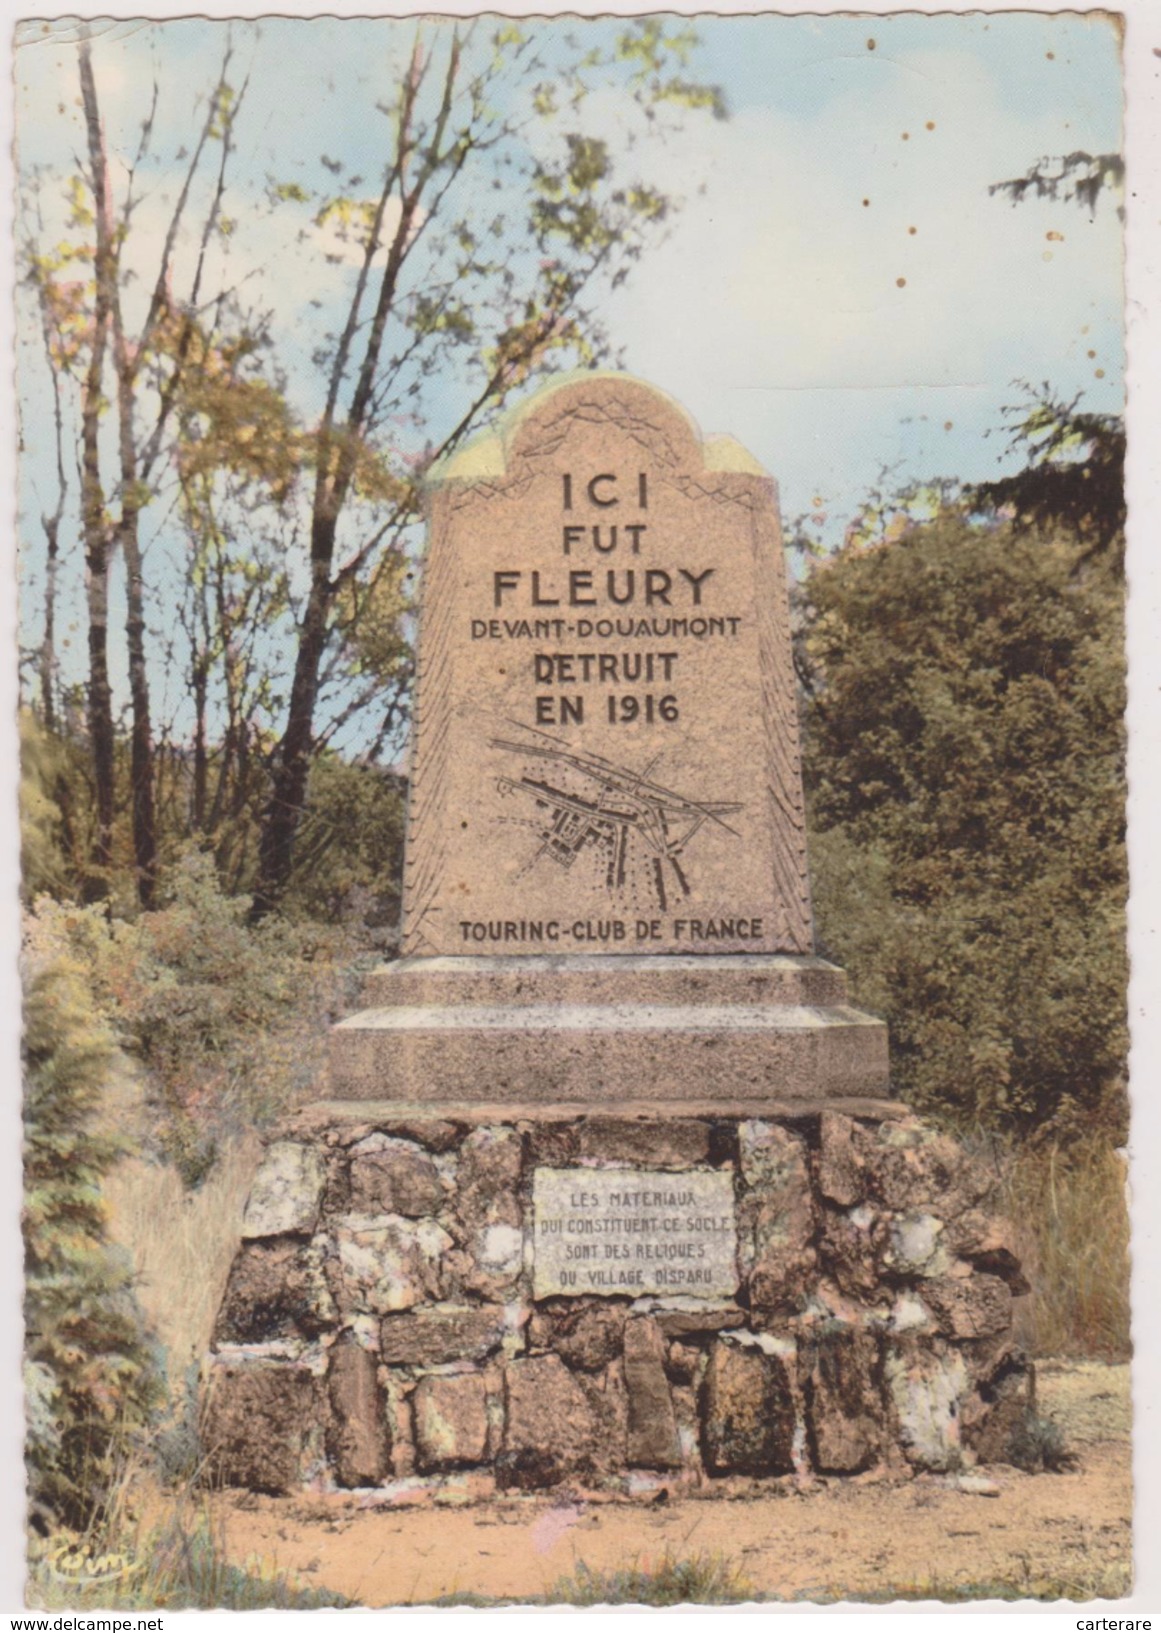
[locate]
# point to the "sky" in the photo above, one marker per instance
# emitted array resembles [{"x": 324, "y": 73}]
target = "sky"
[{"x": 838, "y": 289}]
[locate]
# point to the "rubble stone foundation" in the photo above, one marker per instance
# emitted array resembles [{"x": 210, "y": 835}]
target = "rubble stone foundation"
[{"x": 379, "y": 1324}]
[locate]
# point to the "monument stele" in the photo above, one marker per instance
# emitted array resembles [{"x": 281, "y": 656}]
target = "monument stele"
[
  {"x": 606, "y": 889},
  {"x": 606, "y": 1191}
]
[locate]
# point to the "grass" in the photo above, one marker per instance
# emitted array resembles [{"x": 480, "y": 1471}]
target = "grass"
[
  {"x": 1071, "y": 1213},
  {"x": 714, "y": 1579},
  {"x": 176, "y": 1563},
  {"x": 700, "y": 1579},
  {"x": 182, "y": 1243},
  {"x": 1109, "y": 1582}
]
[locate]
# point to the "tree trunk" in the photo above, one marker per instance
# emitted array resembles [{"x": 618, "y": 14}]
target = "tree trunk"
[
  {"x": 93, "y": 522},
  {"x": 48, "y": 645},
  {"x": 283, "y": 810},
  {"x": 141, "y": 760},
  {"x": 200, "y": 762}
]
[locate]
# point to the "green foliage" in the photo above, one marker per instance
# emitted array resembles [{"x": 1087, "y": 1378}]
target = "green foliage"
[
  {"x": 1075, "y": 475},
  {"x": 228, "y": 1019},
  {"x": 89, "y": 1374},
  {"x": 964, "y": 763},
  {"x": 349, "y": 856},
  {"x": 44, "y": 861}
]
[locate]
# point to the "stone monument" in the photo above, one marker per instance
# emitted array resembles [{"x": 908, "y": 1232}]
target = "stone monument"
[{"x": 607, "y": 1188}]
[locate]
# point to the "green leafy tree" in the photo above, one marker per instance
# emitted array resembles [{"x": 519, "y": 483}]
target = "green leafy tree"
[
  {"x": 964, "y": 752},
  {"x": 1074, "y": 477},
  {"x": 478, "y": 255},
  {"x": 136, "y": 377},
  {"x": 90, "y": 1380}
]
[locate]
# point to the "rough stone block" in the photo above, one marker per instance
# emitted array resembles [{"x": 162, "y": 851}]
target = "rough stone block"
[
  {"x": 398, "y": 1388},
  {"x": 430, "y": 1337},
  {"x": 393, "y": 1176},
  {"x": 850, "y": 1245},
  {"x": 1004, "y": 1399},
  {"x": 654, "y": 1143},
  {"x": 450, "y": 1416},
  {"x": 277, "y": 1291},
  {"x": 552, "y": 1145},
  {"x": 431, "y": 1132},
  {"x": 652, "y": 1428},
  {"x": 677, "y": 1322},
  {"x": 549, "y": 1430},
  {"x": 488, "y": 1178},
  {"x": 286, "y": 1195},
  {"x": 841, "y": 1169},
  {"x": 608, "y": 1403},
  {"x": 358, "y": 1444},
  {"x": 927, "y": 1390},
  {"x": 911, "y": 1167},
  {"x": 780, "y": 1212},
  {"x": 748, "y": 1408},
  {"x": 989, "y": 1243},
  {"x": 915, "y": 1246},
  {"x": 974, "y": 1306},
  {"x": 684, "y": 1363},
  {"x": 585, "y": 1336},
  {"x": 387, "y": 1263},
  {"x": 257, "y": 1418},
  {"x": 844, "y": 1409}
]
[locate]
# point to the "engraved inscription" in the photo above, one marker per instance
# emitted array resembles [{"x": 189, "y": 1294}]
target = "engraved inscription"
[
  {"x": 605, "y": 752},
  {"x": 630, "y": 1232}
]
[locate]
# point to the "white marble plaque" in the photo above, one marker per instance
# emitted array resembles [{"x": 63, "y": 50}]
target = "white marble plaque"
[{"x": 626, "y": 1231}]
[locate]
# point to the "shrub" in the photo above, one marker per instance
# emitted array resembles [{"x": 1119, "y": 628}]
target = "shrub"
[
  {"x": 1038, "y": 1446},
  {"x": 963, "y": 756},
  {"x": 90, "y": 1380},
  {"x": 229, "y": 1019}
]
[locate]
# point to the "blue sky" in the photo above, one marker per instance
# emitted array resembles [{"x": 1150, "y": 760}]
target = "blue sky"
[{"x": 834, "y": 337}]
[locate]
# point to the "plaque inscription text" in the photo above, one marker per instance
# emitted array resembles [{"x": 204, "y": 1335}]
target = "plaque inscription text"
[{"x": 630, "y": 1231}]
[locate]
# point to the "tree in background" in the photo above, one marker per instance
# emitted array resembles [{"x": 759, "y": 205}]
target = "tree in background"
[
  {"x": 1074, "y": 478},
  {"x": 476, "y": 257},
  {"x": 964, "y": 759},
  {"x": 464, "y": 269}
]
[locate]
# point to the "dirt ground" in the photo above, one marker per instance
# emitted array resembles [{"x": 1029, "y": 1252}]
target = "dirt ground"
[{"x": 1049, "y": 1535}]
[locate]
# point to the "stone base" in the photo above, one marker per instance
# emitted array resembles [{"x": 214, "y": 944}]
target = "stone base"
[
  {"x": 602, "y": 1029},
  {"x": 380, "y": 1324}
]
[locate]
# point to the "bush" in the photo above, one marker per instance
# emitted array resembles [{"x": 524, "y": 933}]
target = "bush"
[
  {"x": 1038, "y": 1446},
  {"x": 348, "y": 854},
  {"x": 90, "y": 1380},
  {"x": 963, "y": 756},
  {"x": 229, "y": 1019}
]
